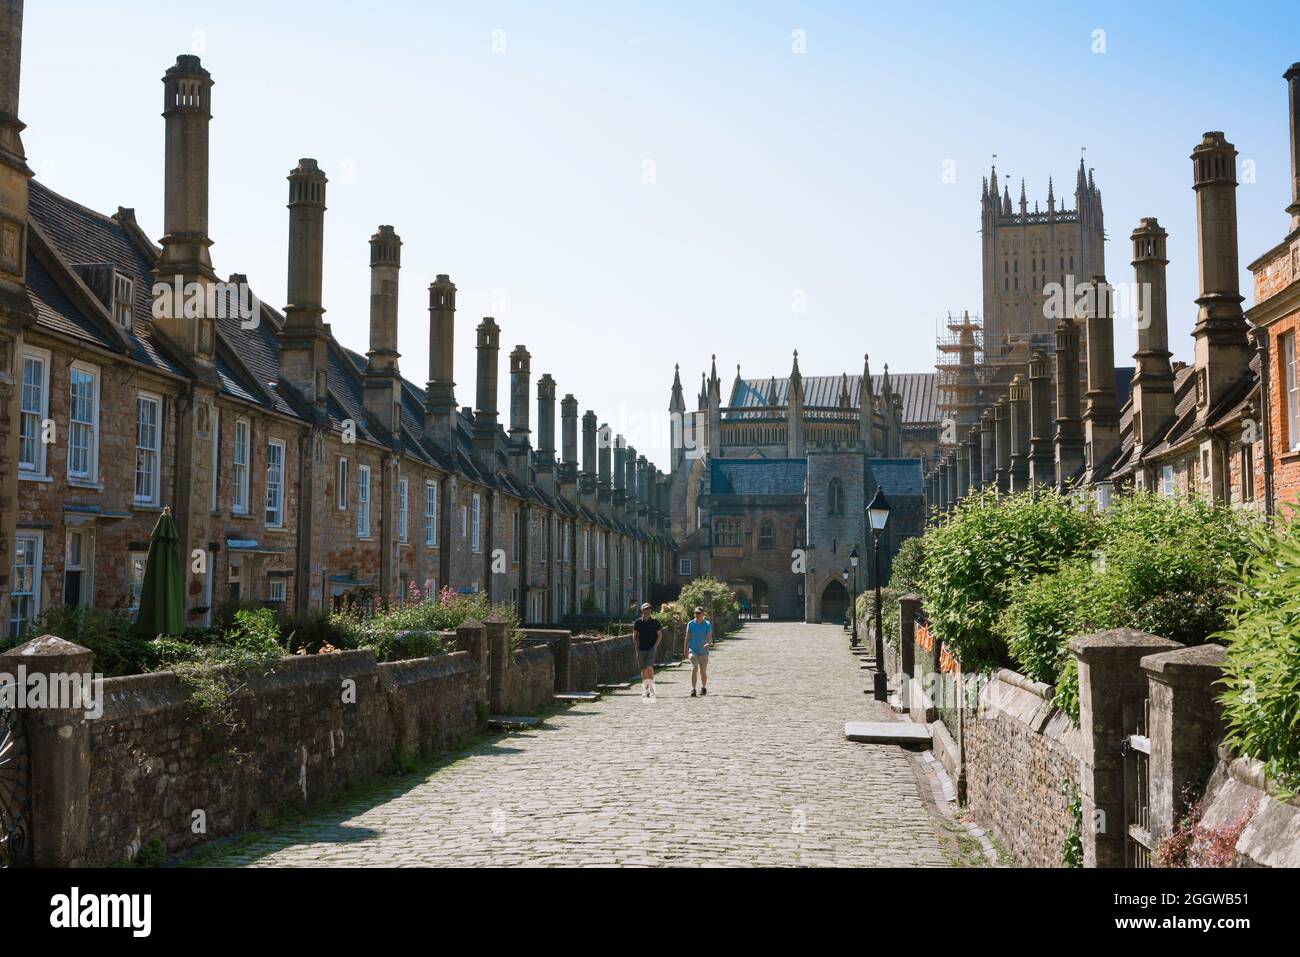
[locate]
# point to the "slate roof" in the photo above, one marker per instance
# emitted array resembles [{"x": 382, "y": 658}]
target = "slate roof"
[
  {"x": 918, "y": 389},
  {"x": 900, "y": 478},
  {"x": 247, "y": 359},
  {"x": 758, "y": 476}
]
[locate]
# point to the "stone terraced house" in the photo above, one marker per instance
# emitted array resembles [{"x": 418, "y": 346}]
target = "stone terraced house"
[{"x": 300, "y": 473}]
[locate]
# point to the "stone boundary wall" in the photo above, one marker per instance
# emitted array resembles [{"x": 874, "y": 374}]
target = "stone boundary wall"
[
  {"x": 1018, "y": 750},
  {"x": 530, "y": 681},
  {"x": 616, "y": 658},
  {"x": 1237, "y": 792},
  {"x": 155, "y": 762}
]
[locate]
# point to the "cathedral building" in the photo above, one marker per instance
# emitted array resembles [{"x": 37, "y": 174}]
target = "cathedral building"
[
  {"x": 769, "y": 490},
  {"x": 300, "y": 473}
]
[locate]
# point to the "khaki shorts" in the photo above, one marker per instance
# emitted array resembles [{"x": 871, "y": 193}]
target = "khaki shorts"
[{"x": 700, "y": 660}]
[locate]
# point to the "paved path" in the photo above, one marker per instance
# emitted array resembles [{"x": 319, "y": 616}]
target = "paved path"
[{"x": 757, "y": 773}]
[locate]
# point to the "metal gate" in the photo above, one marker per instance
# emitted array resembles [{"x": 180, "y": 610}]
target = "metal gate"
[
  {"x": 1136, "y": 750},
  {"x": 15, "y": 787}
]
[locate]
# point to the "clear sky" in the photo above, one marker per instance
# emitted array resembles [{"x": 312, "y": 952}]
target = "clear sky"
[{"x": 626, "y": 186}]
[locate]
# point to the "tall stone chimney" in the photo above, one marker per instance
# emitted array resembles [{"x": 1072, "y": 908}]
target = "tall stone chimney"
[
  {"x": 1018, "y": 416},
  {"x": 383, "y": 380},
  {"x": 988, "y": 449},
  {"x": 974, "y": 452},
  {"x": 14, "y": 174},
  {"x": 961, "y": 458},
  {"x": 304, "y": 337},
  {"x": 1101, "y": 417},
  {"x": 1292, "y": 77},
  {"x": 604, "y": 478},
  {"x": 1042, "y": 457},
  {"x": 1153, "y": 377},
  {"x": 187, "y": 109},
  {"x": 1002, "y": 444},
  {"x": 1223, "y": 348},
  {"x": 521, "y": 381},
  {"x": 620, "y": 473},
  {"x": 569, "y": 437},
  {"x": 629, "y": 483},
  {"x": 440, "y": 393},
  {"x": 587, "y": 480},
  {"x": 546, "y": 431},
  {"x": 484, "y": 440},
  {"x": 1068, "y": 451}
]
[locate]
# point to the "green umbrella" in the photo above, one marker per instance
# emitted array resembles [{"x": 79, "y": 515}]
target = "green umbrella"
[{"x": 162, "y": 598}]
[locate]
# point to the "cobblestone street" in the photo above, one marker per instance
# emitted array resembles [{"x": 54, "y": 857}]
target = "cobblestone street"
[{"x": 757, "y": 773}]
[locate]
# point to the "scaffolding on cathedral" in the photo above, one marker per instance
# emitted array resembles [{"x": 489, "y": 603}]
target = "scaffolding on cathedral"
[{"x": 962, "y": 373}]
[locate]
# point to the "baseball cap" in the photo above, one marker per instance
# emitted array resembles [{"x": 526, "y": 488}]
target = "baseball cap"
[
  {"x": 645, "y": 606},
  {"x": 699, "y": 610}
]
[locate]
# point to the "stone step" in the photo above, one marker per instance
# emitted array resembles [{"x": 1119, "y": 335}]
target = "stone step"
[
  {"x": 618, "y": 687},
  {"x": 887, "y": 732},
  {"x": 572, "y": 696},
  {"x": 511, "y": 722}
]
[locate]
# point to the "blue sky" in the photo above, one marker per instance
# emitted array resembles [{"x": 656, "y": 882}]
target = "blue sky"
[{"x": 509, "y": 144}]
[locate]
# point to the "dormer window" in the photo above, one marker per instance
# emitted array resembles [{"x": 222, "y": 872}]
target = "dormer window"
[{"x": 123, "y": 305}]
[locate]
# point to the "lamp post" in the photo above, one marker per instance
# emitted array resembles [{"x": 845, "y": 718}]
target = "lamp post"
[
  {"x": 845, "y": 575},
  {"x": 878, "y": 513},
  {"x": 853, "y": 602}
]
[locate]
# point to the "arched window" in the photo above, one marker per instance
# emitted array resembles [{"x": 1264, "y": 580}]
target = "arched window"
[
  {"x": 801, "y": 533},
  {"x": 766, "y": 536},
  {"x": 835, "y": 498}
]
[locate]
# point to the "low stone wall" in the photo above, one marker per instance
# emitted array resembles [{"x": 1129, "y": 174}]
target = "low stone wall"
[
  {"x": 530, "y": 681},
  {"x": 1237, "y": 800},
  {"x": 160, "y": 770},
  {"x": 584, "y": 664},
  {"x": 559, "y": 642},
  {"x": 1018, "y": 752},
  {"x": 615, "y": 659}
]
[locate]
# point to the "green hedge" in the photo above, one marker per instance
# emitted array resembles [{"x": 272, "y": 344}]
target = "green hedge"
[
  {"x": 714, "y": 596},
  {"x": 1261, "y": 700}
]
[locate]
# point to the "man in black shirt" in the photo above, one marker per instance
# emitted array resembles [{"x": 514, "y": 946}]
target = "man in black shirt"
[{"x": 648, "y": 635}]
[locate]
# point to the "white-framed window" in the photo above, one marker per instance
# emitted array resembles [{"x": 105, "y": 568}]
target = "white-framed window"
[
  {"x": 431, "y": 513},
  {"x": 148, "y": 448},
  {"x": 464, "y": 521},
  {"x": 274, "y": 483},
  {"x": 1288, "y": 342},
  {"x": 341, "y": 485},
  {"x": 83, "y": 423},
  {"x": 25, "y": 590},
  {"x": 363, "y": 501},
  {"x": 240, "y": 467},
  {"x": 135, "y": 578},
  {"x": 78, "y": 562},
  {"x": 35, "y": 410},
  {"x": 275, "y": 591},
  {"x": 564, "y": 535},
  {"x": 476, "y": 521},
  {"x": 215, "y": 463},
  {"x": 586, "y": 549},
  {"x": 123, "y": 299},
  {"x": 1167, "y": 487},
  {"x": 403, "y": 509},
  {"x": 514, "y": 537}
]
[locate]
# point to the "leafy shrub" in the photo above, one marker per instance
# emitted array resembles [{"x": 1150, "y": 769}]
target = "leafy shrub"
[
  {"x": 107, "y": 633},
  {"x": 411, "y": 628},
  {"x": 717, "y": 600},
  {"x": 990, "y": 544},
  {"x": 1045, "y": 612},
  {"x": 1261, "y": 703}
]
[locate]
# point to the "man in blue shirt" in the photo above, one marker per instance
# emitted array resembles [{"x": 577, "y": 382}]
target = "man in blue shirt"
[{"x": 699, "y": 639}]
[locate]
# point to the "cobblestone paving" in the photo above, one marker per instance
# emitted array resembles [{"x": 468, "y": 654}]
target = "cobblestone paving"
[{"x": 757, "y": 773}]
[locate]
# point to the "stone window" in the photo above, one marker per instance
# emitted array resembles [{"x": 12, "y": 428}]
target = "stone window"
[
  {"x": 123, "y": 299},
  {"x": 275, "y": 591},
  {"x": 685, "y": 568},
  {"x": 1167, "y": 487},
  {"x": 25, "y": 590},
  {"x": 275, "y": 483},
  {"x": 766, "y": 534},
  {"x": 148, "y": 448},
  {"x": 240, "y": 470},
  {"x": 835, "y": 498},
  {"x": 430, "y": 513},
  {"x": 1247, "y": 472},
  {"x": 83, "y": 423},
  {"x": 403, "y": 509},
  {"x": 214, "y": 461},
  {"x": 363, "y": 501},
  {"x": 514, "y": 538},
  {"x": 341, "y": 485},
  {"x": 135, "y": 578},
  {"x": 727, "y": 532},
  {"x": 801, "y": 533},
  {"x": 35, "y": 410},
  {"x": 78, "y": 554},
  {"x": 475, "y": 522},
  {"x": 586, "y": 549},
  {"x": 1292, "y": 391}
]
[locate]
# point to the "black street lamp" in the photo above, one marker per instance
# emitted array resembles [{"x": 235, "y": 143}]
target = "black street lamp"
[
  {"x": 845, "y": 575},
  {"x": 853, "y": 562},
  {"x": 878, "y": 513}
]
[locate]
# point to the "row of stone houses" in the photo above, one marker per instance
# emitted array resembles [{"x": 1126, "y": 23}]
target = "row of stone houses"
[
  {"x": 1225, "y": 427},
  {"x": 299, "y": 473}
]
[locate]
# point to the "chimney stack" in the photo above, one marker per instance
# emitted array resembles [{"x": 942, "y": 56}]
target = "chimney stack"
[
  {"x": 620, "y": 473},
  {"x": 988, "y": 449},
  {"x": 1223, "y": 349},
  {"x": 440, "y": 393},
  {"x": 1042, "y": 457},
  {"x": 974, "y": 453},
  {"x": 1002, "y": 444},
  {"x": 14, "y": 172},
  {"x": 484, "y": 440},
  {"x": 521, "y": 381},
  {"x": 587, "y": 481},
  {"x": 1018, "y": 416},
  {"x": 546, "y": 424},
  {"x": 304, "y": 335},
  {"x": 569, "y": 438},
  {"x": 1292, "y": 77},
  {"x": 187, "y": 109},
  {"x": 1101, "y": 417},
  {"x": 383, "y": 381},
  {"x": 604, "y": 451},
  {"x": 1068, "y": 451},
  {"x": 1153, "y": 377}
]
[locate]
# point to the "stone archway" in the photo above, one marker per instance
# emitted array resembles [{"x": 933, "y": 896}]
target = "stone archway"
[{"x": 834, "y": 603}]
